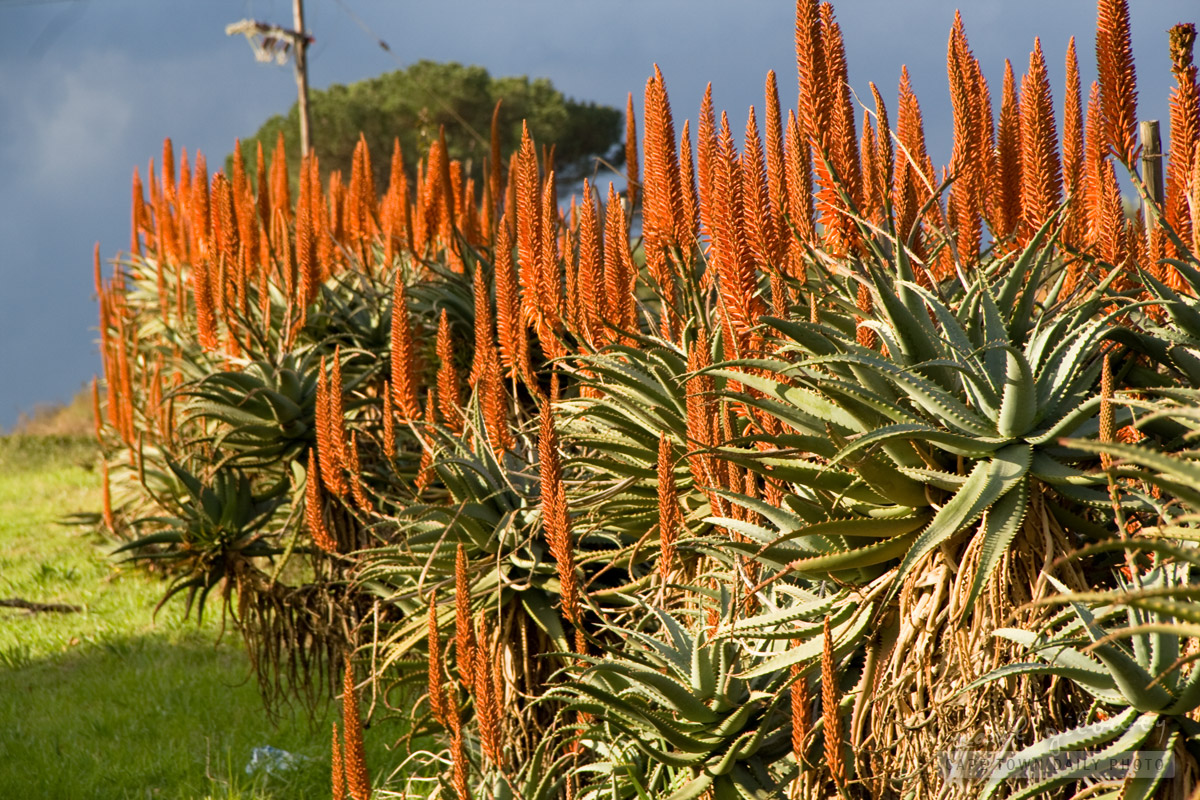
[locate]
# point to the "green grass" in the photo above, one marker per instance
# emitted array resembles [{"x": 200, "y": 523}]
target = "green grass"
[{"x": 109, "y": 702}]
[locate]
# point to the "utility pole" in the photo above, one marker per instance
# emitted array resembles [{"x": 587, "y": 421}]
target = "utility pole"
[
  {"x": 273, "y": 43},
  {"x": 301, "y": 61}
]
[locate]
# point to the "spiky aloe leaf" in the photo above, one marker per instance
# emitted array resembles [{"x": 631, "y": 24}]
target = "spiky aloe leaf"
[
  {"x": 1082, "y": 737},
  {"x": 1131, "y": 677},
  {"x": 988, "y": 482},
  {"x": 1018, "y": 405},
  {"x": 1001, "y": 523},
  {"x": 847, "y": 635}
]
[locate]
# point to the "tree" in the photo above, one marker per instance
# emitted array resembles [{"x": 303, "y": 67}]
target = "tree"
[{"x": 413, "y": 104}]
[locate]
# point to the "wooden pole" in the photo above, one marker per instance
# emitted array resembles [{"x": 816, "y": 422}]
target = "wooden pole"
[
  {"x": 1152, "y": 168},
  {"x": 301, "y": 61}
]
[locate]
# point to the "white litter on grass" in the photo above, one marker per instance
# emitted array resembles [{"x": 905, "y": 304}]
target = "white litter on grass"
[{"x": 272, "y": 760}]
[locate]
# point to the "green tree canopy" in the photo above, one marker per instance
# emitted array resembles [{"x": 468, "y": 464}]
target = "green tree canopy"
[{"x": 412, "y": 104}]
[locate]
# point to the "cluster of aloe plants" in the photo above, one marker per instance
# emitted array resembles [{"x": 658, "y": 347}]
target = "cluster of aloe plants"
[{"x": 778, "y": 493}]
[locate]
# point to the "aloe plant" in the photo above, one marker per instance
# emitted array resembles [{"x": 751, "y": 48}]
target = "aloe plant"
[
  {"x": 960, "y": 421},
  {"x": 213, "y": 529},
  {"x": 682, "y": 709},
  {"x": 1123, "y": 648}
]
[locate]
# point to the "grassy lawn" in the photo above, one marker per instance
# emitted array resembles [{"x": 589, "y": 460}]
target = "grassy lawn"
[{"x": 109, "y": 702}]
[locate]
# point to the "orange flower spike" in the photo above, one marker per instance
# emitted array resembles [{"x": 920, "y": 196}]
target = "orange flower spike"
[
  {"x": 447, "y": 211},
  {"x": 1072, "y": 153},
  {"x": 1118, "y": 80},
  {"x": 449, "y": 399},
  {"x": 885, "y": 154},
  {"x": 687, "y": 225},
  {"x": 483, "y": 323},
  {"x": 845, "y": 146},
  {"x": 437, "y": 688},
  {"x": 619, "y": 272},
  {"x": 494, "y": 164},
  {"x": 313, "y": 516},
  {"x": 529, "y": 219},
  {"x": 1111, "y": 239},
  {"x": 1005, "y": 208},
  {"x": 495, "y": 402},
  {"x": 337, "y": 414},
  {"x": 872, "y": 199},
  {"x": 1185, "y": 138},
  {"x": 1041, "y": 172},
  {"x": 1093, "y": 157},
  {"x": 403, "y": 354},
  {"x": 306, "y": 252},
  {"x": 830, "y": 697},
  {"x": 389, "y": 422},
  {"x": 738, "y": 271},
  {"x": 591, "y": 269},
  {"x": 556, "y": 524},
  {"x": 262, "y": 193},
  {"x": 810, "y": 65},
  {"x": 674, "y": 200},
  {"x": 800, "y": 714},
  {"x": 464, "y": 629},
  {"x": 358, "y": 780},
  {"x": 1194, "y": 199},
  {"x": 509, "y": 328},
  {"x": 549, "y": 279},
  {"x": 280, "y": 190},
  {"x": 324, "y": 437},
  {"x": 486, "y": 709},
  {"x": 706, "y": 149},
  {"x": 914, "y": 173},
  {"x": 777, "y": 188},
  {"x": 967, "y": 160},
  {"x": 669, "y": 515},
  {"x": 424, "y": 469},
  {"x": 137, "y": 215},
  {"x": 632, "y": 174},
  {"x": 224, "y": 223},
  {"x": 761, "y": 234},
  {"x": 800, "y": 200},
  {"x": 201, "y": 206},
  {"x": 168, "y": 171},
  {"x": 202, "y": 294},
  {"x": 337, "y": 767}
]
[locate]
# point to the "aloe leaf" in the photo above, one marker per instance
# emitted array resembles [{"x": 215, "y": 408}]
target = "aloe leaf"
[
  {"x": 693, "y": 788},
  {"x": 1050, "y": 470},
  {"x": 668, "y": 691},
  {"x": 1082, "y": 737},
  {"x": 1127, "y": 742},
  {"x": 1021, "y": 279},
  {"x": 937, "y": 402},
  {"x": 988, "y": 482},
  {"x": 846, "y": 635},
  {"x": 817, "y": 410},
  {"x": 1144, "y": 786},
  {"x": 1169, "y": 464},
  {"x": 1001, "y": 523},
  {"x": 855, "y": 558},
  {"x": 1131, "y": 677},
  {"x": 1018, "y": 406},
  {"x": 1085, "y": 679},
  {"x": 968, "y": 446}
]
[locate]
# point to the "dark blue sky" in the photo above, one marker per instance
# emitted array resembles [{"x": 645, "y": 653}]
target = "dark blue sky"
[{"x": 89, "y": 89}]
